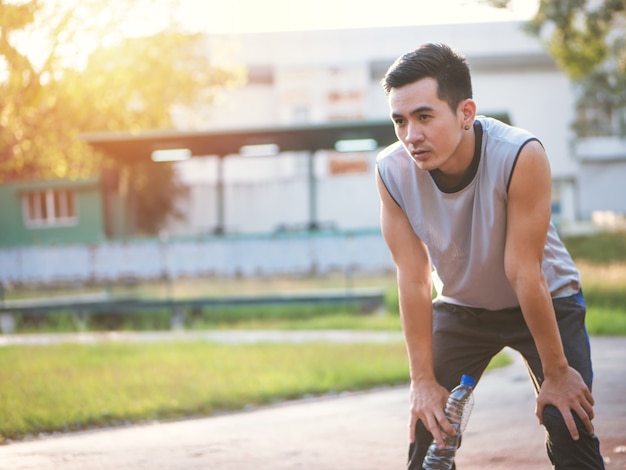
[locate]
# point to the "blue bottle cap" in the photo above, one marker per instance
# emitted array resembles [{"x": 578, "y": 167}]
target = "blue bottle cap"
[{"x": 468, "y": 381}]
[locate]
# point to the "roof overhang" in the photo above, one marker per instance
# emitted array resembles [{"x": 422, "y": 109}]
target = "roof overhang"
[{"x": 137, "y": 146}]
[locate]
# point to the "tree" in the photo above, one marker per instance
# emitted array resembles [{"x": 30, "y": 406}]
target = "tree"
[
  {"x": 587, "y": 39},
  {"x": 145, "y": 77},
  {"x": 71, "y": 66}
]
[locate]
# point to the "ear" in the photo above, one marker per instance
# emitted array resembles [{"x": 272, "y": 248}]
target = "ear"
[{"x": 467, "y": 112}]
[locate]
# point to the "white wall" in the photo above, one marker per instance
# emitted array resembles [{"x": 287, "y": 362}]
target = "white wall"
[
  {"x": 540, "y": 101},
  {"x": 601, "y": 187},
  {"x": 277, "y": 198}
]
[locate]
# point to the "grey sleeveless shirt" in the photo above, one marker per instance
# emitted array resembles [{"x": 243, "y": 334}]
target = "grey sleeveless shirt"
[{"x": 464, "y": 228}]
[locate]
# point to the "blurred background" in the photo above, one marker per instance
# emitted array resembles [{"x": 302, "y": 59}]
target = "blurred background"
[{"x": 162, "y": 139}]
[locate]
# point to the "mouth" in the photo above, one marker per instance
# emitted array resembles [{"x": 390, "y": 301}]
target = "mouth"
[{"x": 419, "y": 154}]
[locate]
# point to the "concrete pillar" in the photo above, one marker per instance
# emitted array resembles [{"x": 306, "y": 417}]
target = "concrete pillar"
[{"x": 568, "y": 202}]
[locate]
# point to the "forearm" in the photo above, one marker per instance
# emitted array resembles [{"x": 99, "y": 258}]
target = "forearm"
[
  {"x": 562, "y": 386},
  {"x": 536, "y": 304},
  {"x": 416, "y": 315},
  {"x": 428, "y": 397}
]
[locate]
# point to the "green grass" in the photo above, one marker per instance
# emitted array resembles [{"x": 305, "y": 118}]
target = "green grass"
[
  {"x": 606, "y": 322},
  {"x": 384, "y": 322},
  {"x": 606, "y": 310},
  {"x": 599, "y": 248},
  {"x": 263, "y": 317},
  {"x": 74, "y": 387},
  {"x": 604, "y": 287},
  {"x": 70, "y": 387}
]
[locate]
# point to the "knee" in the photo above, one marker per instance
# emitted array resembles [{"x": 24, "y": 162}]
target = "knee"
[
  {"x": 564, "y": 451},
  {"x": 418, "y": 449},
  {"x": 422, "y": 434},
  {"x": 555, "y": 424}
]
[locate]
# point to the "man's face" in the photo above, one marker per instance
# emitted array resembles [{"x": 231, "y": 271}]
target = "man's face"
[{"x": 426, "y": 126}]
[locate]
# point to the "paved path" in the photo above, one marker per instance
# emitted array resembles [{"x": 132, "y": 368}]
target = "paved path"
[
  {"x": 362, "y": 431},
  {"x": 219, "y": 336}
]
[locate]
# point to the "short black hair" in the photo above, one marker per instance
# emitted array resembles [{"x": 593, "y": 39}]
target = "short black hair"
[{"x": 431, "y": 60}]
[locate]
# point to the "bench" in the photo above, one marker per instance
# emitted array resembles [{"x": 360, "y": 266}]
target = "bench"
[{"x": 80, "y": 307}]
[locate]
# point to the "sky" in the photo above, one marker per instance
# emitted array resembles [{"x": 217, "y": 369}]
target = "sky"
[
  {"x": 252, "y": 16},
  {"x": 248, "y": 16}
]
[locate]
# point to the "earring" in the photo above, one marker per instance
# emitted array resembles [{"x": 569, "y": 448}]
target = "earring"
[{"x": 467, "y": 128}]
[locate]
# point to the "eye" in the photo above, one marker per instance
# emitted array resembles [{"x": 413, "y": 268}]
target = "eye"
[
  {"x": 424, "y": 117},
  {"x": 398, "y": 121}
]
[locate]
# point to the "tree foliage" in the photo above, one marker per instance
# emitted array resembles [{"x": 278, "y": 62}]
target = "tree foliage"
[
  {"x": 71, "y": 66},
  {"x": 587, "y": 39}
]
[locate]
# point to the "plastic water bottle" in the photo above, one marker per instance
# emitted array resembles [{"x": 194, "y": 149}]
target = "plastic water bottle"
[{"x": 458, "y": 408}]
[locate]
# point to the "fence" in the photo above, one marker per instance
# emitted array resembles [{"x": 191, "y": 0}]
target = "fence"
[{"x": 223, "y": 256}]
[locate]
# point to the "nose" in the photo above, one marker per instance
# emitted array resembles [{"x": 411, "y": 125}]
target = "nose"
[{"x": 414, "y": 134}]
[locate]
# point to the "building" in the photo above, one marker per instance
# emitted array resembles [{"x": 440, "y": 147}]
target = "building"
[
  {"x": 313, "y": 77},
  {"x": 51, "y": 212},
  {"x": 601, "y": 192}
]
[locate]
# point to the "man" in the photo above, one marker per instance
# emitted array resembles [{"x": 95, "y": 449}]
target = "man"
[{"x": 465, "y": 205}]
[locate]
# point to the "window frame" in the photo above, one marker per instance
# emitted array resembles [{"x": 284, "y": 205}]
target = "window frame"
[{"x": 52, "y": 207}]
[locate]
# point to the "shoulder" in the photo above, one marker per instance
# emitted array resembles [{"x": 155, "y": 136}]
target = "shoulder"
[
  {"x": 390, "y": 152},
  {"x": 392, "y": 162},
  {"x": 502, "y": 146},
  {"x": 496, "y": 131},
  {"x": 532, "y": 159},
  {"x": 531, "y": 171}
]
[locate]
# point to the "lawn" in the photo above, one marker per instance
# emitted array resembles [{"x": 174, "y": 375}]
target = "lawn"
[{"x": 76, "y": 386}]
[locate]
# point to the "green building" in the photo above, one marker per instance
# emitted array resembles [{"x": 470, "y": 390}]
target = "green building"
[{"x": 51, "y": 212}]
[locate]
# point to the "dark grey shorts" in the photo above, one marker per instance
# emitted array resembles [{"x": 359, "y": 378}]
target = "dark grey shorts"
[{"x": 465, "y": 339}]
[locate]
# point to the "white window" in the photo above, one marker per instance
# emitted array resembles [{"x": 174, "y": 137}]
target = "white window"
[
  {"x": 260, "y": 75},
  {"x": 601, "y": 120},
  {"x": 51, "y": 207}
]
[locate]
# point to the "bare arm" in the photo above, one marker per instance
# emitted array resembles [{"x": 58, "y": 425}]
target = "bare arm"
[
  {"x": 528, "y": 218},
  {"x": 415, "y": 297}
]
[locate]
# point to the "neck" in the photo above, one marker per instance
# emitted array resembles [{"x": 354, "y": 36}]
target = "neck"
[{"x": 462, "y": 166}]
